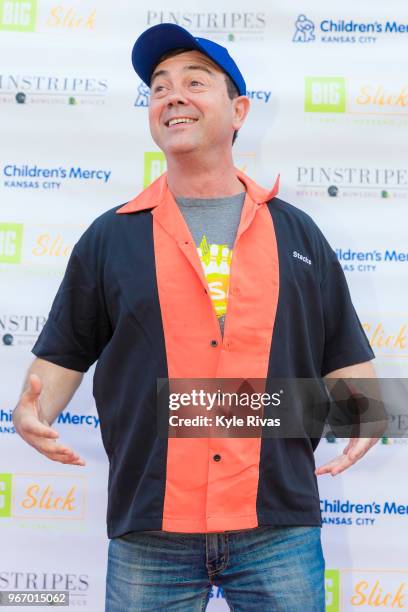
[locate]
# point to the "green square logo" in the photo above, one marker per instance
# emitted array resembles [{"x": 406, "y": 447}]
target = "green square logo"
[
  {"x": 11, "y": 242},
  {"x": 18, "y": 15},
  {"x": 154, "y": 166},
  {"x": 5, "y": 495},
  {"x": 332, "y": 585},
  {"x": 325, "y": 95}
]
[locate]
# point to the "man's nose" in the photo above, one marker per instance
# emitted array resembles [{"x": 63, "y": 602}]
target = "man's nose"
[{"x": 176, "y": 97}]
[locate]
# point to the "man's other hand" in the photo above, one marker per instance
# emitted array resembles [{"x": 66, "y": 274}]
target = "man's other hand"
[
  {"x": 34, "y": 428},
  {"x": 355, "y": 449}
]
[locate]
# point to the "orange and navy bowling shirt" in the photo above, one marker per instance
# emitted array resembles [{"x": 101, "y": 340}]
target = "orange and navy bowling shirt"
[{"x": 135, "y": 299}]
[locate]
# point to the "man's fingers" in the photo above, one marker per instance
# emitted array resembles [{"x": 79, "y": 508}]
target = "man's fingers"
[
  {"x": 344, "y": 464},
  {"x": 63, "y": 458},
  {"x": 57, "y": 452},
  {"x": 349, "y": 446},
  {"x": 335, "y": 466},
  {"x": 78, "y": 462},
  {"x": 356, "y": 453},
  {"x": 52, "y": 448}
]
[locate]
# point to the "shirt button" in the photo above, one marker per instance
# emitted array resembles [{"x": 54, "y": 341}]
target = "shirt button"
[
  {"x": 217, "y": 457},
  {"x": 214, "y": 342}
]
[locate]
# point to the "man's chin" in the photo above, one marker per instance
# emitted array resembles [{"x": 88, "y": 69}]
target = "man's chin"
[{"x": 182, "y": 148}]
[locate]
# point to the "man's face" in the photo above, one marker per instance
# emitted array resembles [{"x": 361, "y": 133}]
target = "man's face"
[{"x": 192, "y": 89}]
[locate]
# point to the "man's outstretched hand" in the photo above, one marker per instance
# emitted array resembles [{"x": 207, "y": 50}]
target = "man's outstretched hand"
[
  {"x": 34, "y": 428},
  {"x": 355, "y": 449}
]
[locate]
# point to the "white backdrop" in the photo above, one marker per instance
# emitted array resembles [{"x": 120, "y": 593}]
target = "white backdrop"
[{"x": 329, "y": 91}]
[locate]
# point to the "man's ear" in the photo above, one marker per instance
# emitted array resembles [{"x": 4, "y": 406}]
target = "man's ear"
[{"x": 240, "y": 110}]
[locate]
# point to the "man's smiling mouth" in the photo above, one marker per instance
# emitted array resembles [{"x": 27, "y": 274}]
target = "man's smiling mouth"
[{"x": 178, "y": 120}]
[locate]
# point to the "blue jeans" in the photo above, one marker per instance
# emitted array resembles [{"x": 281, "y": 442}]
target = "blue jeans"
[{"x": 267, "y": 568}]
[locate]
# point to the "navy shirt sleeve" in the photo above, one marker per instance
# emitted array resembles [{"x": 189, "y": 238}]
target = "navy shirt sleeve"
[
  {"x": 345, "y": 343},
  {"x": 78, "y": 326}
]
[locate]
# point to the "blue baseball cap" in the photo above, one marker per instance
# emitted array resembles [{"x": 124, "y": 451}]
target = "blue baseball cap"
[{"x": 164, "y": 37}]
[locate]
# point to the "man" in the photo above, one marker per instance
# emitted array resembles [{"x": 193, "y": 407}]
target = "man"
[{"x": 187, "y": 513}]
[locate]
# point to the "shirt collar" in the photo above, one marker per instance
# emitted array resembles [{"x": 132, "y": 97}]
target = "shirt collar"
[{"x": 157, "y": 192}]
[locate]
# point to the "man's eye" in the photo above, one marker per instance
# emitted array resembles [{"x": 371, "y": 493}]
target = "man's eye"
[
  {"x": 194, "y": 83},
  {"x": 159, "y": 89}
]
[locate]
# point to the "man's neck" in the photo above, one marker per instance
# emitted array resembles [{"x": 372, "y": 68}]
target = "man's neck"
[{"x": 202, "y": 178}]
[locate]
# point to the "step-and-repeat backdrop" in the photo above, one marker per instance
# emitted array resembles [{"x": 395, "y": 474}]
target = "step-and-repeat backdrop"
[{"x": 329, "y": 93}]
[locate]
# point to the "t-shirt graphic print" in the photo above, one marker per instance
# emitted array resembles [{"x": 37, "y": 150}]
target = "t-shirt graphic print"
[
  {"x": 216, "y": 262},
  {"x": 213, "y": 223}
]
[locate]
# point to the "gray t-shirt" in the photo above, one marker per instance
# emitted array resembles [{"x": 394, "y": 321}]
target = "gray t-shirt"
[{"x": 213, "y": 223}]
